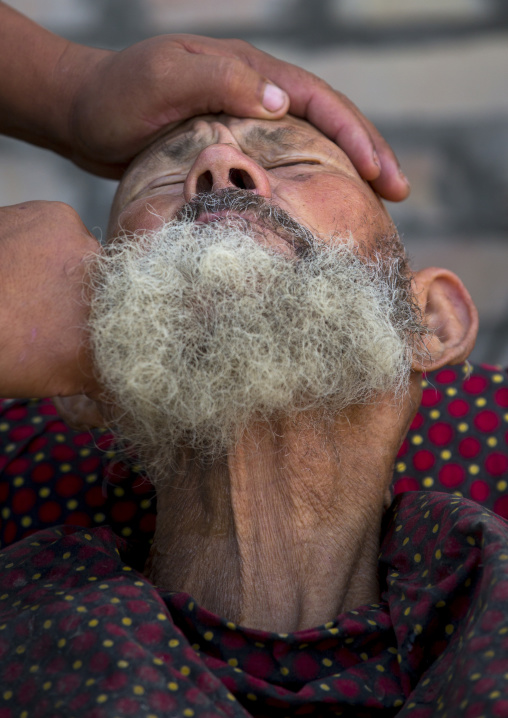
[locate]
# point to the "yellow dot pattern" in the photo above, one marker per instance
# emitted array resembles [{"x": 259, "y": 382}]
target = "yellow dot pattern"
[
  {"x": 61, "y": 457},
  {"x": 425, "y": 555},
  {"x": 470, "y": 455}
]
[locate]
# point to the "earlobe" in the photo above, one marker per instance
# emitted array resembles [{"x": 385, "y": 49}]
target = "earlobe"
[
  {"x": 79, "y": 412},
  {"x": 450, "y": 315}
]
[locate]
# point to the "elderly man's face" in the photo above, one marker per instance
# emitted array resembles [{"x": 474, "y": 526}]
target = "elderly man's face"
[
  {"x": 287, "y": 293},
  {"x": 288, "y": 162}
]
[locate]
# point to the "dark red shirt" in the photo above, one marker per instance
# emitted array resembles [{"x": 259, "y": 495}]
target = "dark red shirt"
[{"x": 82, "y": 633}]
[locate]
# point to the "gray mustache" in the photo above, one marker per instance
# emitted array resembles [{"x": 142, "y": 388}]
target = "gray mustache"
[{"x": 262, "y": 210}]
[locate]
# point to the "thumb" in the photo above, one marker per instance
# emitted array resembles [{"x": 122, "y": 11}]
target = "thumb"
[
  {"x": 215, "y": 84},
  {"x": 274, "y": 99}
]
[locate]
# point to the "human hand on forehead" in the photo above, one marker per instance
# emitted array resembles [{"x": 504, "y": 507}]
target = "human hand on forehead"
[
  {"x": 100, "y": 108},
  {"x": 173, "y": 77}
]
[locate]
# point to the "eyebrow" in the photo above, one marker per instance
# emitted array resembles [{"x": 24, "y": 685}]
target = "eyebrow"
[
  {"x": 179, "y": 148},
  {"x": 283, "y": 137}
]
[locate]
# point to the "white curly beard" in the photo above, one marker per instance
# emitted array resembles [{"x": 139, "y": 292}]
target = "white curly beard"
[{"x": 197, "y": 329}]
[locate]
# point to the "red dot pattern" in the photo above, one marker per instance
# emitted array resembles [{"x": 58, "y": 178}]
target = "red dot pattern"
[
  {"x": 458, "y": 440},
  {"x": 479, "y": 490},
  {"x": 51, "y": 474},
  {"x": 83, "y": 634}
]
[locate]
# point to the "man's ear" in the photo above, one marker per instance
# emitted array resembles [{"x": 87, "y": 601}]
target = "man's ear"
[{"x": 450, "y": 315}]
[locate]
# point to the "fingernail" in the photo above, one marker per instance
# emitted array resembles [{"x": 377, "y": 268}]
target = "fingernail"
[
  {"x": 273, "y": 97},
  {"x": 404, "y": 178},
  {"x": 375, "y": 159}
]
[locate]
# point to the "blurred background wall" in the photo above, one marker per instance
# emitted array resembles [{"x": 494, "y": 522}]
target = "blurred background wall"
[{"x": 432, "y": 74}]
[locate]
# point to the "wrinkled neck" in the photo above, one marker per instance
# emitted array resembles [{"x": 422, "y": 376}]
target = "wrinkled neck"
[{"x": 283, "y": 533}]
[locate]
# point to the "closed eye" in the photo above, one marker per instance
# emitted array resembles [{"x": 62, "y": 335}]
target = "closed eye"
[
  {"x": 293, "y": 164},
  {"x": 166, "y": 182},
  {"x": 174, "y": 182}
]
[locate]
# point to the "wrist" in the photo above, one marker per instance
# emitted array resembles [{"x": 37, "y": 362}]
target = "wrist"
[
  {"x": 72, "y": 72},
  {"x": 40, "y": 74}
]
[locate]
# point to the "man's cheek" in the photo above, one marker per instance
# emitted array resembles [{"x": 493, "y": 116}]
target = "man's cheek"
[
  {"x": 145, "y": 214},
  {"x": 310, "y": 202}
]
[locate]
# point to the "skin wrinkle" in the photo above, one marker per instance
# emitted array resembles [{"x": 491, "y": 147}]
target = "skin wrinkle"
[
  {"x": 284, "y": 138},
  {"x": 315, "y": 539},
  {"x": 213, "y": 539},
  {"x": 183, "y": 147},
  {"x": 179, "y": 150}
]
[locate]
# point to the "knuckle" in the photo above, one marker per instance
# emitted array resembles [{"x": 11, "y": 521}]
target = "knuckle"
[
  {"x": 243, "y": 50},
  {"x": 64, "y": 208},
  {"x": 232, "y": 74},
  {"x": 64, "y": 213},
  {"x": 242, "y": 45},
  {"x": 152, "y": 60}
]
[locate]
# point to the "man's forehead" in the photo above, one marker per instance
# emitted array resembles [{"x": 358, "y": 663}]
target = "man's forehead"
[
  {"x": 271, "y": 129},
  {"x": 285, "y": 134}
]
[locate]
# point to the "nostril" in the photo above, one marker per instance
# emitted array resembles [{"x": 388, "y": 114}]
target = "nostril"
[
  {"x": 204, "y": 183},
  {"x": 241, "y": 179}
]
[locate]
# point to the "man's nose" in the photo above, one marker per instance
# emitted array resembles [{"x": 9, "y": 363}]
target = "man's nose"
[{"x": 222, "y": 166}]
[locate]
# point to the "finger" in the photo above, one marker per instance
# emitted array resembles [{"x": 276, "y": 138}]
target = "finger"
[
  {"x": 226, "y": 84},
  {"x": 371, "y": 155},
  {"x": 339, "y": 120},
  {"x": 240, "y": 84},
  {"x": 392, "y": 183},
  {"x": 337, "y": 117}
]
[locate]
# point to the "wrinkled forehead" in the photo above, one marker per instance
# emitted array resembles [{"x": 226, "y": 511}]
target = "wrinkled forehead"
[{"x": 256, "y": 138}]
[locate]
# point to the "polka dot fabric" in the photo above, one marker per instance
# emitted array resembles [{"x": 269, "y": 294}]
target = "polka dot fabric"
[
  {"x": 84, "y": 635},
  {"x": 50, "y": 474},
  {"x": 458, "y": 439}
]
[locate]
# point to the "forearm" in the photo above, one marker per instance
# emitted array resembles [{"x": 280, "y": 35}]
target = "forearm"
[
  {"x": 44, "y": 254},
  {"x": 39, "y": 72}
]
